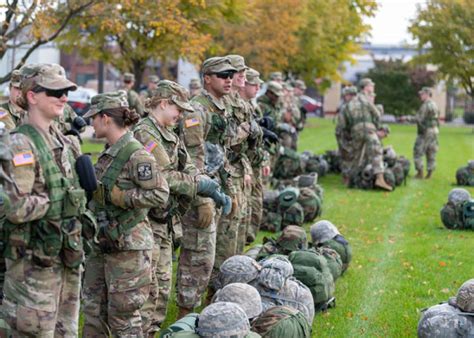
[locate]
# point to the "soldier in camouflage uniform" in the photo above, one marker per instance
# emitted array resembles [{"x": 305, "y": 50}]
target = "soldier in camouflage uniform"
[
  {"x": 361, "y": 120},
  {"x": 156, "y": 133},
  {"x": 256, "y": 155},
  {"x": 10, "y": 113},
  {"x": 204, "y": 132},
  {"x": 148, "y": 92},
  {"x": 343, "y": 136},
  {"x": 133, "y": 98},
  {"x": 119, "y": 273},
  {"x": 43, "y": 227},
  {"x": 195, "y": 87},
  {"x": 276, "y": 76},
  {"x": 269, "y": 103},
  {"x": 426, "y": 143}
]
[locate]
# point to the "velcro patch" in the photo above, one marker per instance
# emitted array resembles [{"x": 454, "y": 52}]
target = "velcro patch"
[
  {"x": 150, "y": 146},
  {"x": 3, "y": 114},
  {"x": 191, "y": 122},
  {"x": 145, "y": 172},
  {"x": 22, "y": 159}
]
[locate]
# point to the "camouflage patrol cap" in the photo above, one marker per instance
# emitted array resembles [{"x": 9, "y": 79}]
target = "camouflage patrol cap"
[
  {"x": 15, "y": 80},
  {"x": 217, "y": 64},
  {"x": 426, "y": 90},
  {"x": 195, "y": 84},
  {"x": 223, "y": 319},
  {"x": 276, "y": 76},
  {"x": 49, "y": 76},
  {"x": 276, "y": 269},
  {"x": 458, "y": 195},
  {"x": 322, "y": 231},
  {"x": 107, "y": 101},
  {"x": 252, "y": 77},
  {"x": 238, "y": 269},
  {"x": 176, "y": 93},
  {"x": 153, "y": 79},
  {"x": 292, "y": 238},
  {"x": 299, "y": 84},
  {"x": 465, "y": 297},
  {"x": 365, "y": 82},
  {"x": 287, "y": 86},
  {"x": 238, "y": 62},
  {"x": 128, "y": 77},
  {"x": 444, "y": 320},
  {"x": 349, "y": 90},
  {"x": 244, "y": 295},
  {"x": 275, "y": 88}
]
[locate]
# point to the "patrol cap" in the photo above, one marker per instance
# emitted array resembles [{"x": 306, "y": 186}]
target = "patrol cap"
[
  {"x": 426, "y": 90},
  {"x": 287, "y": 86},
  {"x": 176, "y": 93},
  {"x": 275, "y": 88},
  {"x": 128, "y": 77},
  {"x": 244, "y": 295},
  {"x": 365, "y": 82},
  {"x": 107, "y": 101},
  {"x": 299, "y": 84},
  {"x": 276, "y": 76},
  {"x": 15, "y": 80},
  {"x": 349, "y": 90},
  {"x": 153, "y": 79},
  {"x": 217, "y": 64},
  {"x": 195, "y": 84},
  {"x": 253, "y": 77},
  {"x": 48, "y": 76},
  {"x": 238, "y": 62}
]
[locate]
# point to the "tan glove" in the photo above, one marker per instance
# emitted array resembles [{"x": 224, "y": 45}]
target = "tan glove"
[
  {"x": 117, "y": 197},
  {"x": 235, "y": 206},
  {"x": 205, "y": 215}
]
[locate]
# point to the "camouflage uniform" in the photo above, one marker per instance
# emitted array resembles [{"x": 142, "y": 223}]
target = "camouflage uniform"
[
  {"x": 119, "y": 272},
  {"x": 195, "y": 87},
  {"x": 343, "y": 136},
  {"x": 426, "y": 143},
  {"x": 42, "y": 281},
  {"x": 148, "y": 93},
  {"x": 133, "y": 98}
]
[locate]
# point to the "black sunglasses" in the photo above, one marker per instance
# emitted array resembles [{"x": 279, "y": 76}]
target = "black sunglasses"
[
  {"x": 57, "y": 93},
  {"x": 225, "y": 75}
]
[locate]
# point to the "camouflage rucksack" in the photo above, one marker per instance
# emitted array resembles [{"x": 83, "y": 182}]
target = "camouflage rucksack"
[
  {"x": 444, "y": 320},
  {"x": 310, "y": 203},
  {"x": 187, "y": 324},
  {"x": 282, "y": 321},
  {"x": 362, "y": 178},
  {"x": 405, "y": 163},
  {"x": 333, "y": 259},
  {"x": 287, "y": 165},
  {"x": 334, "y": 160},
  {"x": 458, "y": 213},
  {"x": 342, "y": 247},
  {"x": 311, "y": 268},
  {"x": 294, "y": 215},
  {"x": 389, "y": 178},
  {"x": 271, "y": 217},
  {"x": 389, "y": 156},
  {"x": 291, "y": 239},
  {"x": 314, "y": 164},
  {"x": 465, "y": 175},
  {"x": 398, "y": 173}
]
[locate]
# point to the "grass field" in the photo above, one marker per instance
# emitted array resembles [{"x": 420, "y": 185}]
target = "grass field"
[{"x": 404, "y": 259}]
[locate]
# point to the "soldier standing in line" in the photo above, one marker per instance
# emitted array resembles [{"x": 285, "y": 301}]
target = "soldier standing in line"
[
  {"x": 152, "y": 83},
  {"x": 10, "y": 113},
  {"x": 133, "y": 98}
]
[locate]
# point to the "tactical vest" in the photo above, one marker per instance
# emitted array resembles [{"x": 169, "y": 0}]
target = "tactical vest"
[
  {"x": 217, "y": 131},
  {"x": 118, "y": 221},
  {"x": 67, "y": 201}
]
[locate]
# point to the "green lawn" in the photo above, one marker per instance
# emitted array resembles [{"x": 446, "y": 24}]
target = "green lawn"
[{"x": 404, "y": 259}]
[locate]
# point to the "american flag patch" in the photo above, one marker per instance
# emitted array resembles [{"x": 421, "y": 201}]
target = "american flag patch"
[
  {"x": 25, "y": 158},
  {"x": 150, "y": 146},
  {"x": 191, "y": 122},
  {"x": 3, "y": 113}
]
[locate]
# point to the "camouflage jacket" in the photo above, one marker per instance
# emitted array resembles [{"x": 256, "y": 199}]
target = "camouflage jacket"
[
  {"x": 360, "y": 114},
  {"x": 134, "y": 101},
  {"x": 144, "y": 187},
  {"x": 11, "y": 115},
  {"x": 427, "y": 116},
  {"x": 268, "y": 109}
]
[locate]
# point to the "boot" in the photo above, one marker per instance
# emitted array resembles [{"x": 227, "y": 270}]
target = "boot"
[
  {"x": 183, "y": 312},
  {"x": 380, "y": 182},
  {"x": 428, "y": 174},
  {"x": 419, "y": 174}
]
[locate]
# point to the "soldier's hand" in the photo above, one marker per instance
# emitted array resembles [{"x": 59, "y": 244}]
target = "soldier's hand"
[
  {"x": 117, "y": 197},
  {"x": 206, "y": 186},
  {"x": 205, "y": 215},
  {"x": 235, "y": 206},
  {"x": 248, "y": 180},
  {"x": 381, "y": 134},
  {"x": 266, "y": 171}
]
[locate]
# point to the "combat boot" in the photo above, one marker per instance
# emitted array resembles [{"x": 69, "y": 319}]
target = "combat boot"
[
  {"x": 419, "y": 174},
  {"x": 183, "y": 312},
  {"x": 380, "y": 182},
  {"x": 428, "y": 174}
]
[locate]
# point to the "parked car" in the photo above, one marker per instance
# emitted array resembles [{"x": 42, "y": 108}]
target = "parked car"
[
  {"x": 80, "y": 99},
  {"x": 312, "y": 106}
]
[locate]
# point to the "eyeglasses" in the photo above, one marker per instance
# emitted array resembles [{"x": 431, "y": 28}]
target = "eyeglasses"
[
  {"x": 225, "y": 75},
  {"x": 57, "y": 93}
]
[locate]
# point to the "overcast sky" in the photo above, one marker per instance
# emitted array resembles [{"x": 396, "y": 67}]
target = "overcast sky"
[{"x": 389, "y": 26}]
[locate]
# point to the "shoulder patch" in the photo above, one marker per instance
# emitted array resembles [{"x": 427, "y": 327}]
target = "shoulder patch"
[
  {"x": 191, "y": 122},
  {"x": 3, "y": 113},
  {"x": 150, "y": 146},
  {"x": 145, "y": 171},
  {"x": 25, "y": 158}
]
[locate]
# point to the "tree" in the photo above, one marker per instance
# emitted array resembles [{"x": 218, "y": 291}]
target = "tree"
[
  {"x": 129, "y": 33},
  {"x": 34, "y": 23},
  {"x": 445, "y": 30}
]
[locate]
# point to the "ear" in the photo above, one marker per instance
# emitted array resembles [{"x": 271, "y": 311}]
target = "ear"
[
  {"x": 207, "y": 79},
  {"x": 31, "y": 97}
]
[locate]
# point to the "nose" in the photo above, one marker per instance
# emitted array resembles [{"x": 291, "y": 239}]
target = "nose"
[{"x": 63, "y": 98}]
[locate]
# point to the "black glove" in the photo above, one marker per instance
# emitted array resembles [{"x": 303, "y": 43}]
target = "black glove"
[
  {"x": 206, "y": 186},
  {"x": 267, "y": 123},
  {"x": 270, "y": 136}
]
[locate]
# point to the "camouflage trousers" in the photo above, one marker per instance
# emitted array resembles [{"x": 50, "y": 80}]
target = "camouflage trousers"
[
  {"x": 367, "y": 149},
  {"x": 41, "y": 302},
  {"x": 116, "y": 286},
  {"x": 256, "y": 205},
  {"x": 198, "y": 249},
  {"x": 346, "y": 152},
  {"x": 154, "y": 310},
  {"x": 426, "y": 145}
]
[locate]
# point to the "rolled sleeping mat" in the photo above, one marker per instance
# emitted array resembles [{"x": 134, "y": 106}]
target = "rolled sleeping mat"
[
  {"x": 288, "y": 197},
  {"x": 86, "y": 172}
]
